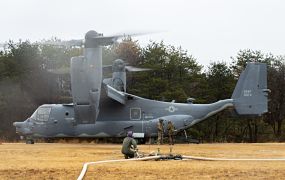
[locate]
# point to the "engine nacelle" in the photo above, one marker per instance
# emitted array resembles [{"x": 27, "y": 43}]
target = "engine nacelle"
[{"x": 119, "y": 75}]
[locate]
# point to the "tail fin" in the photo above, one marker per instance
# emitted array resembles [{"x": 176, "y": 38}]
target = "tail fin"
[{"x": 250, "y": 94}]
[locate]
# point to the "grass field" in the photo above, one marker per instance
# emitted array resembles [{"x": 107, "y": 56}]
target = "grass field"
[{"x": 64, "y": 161}]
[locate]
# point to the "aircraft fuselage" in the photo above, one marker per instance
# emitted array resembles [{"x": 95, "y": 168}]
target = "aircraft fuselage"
[{"x": 138, "y": 115}]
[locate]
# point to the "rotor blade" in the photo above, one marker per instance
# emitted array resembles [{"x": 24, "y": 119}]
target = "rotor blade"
[
  {"x": 62, "y": 70},
  {"x": 135, "y": 69},
  {"x": 105, "y": 41},
  {"x": 125, "y": 34},
  {"x": 73, "y": 42},
  {"x": 3, "y": 45},
  {"x": 108, "y": 40}
]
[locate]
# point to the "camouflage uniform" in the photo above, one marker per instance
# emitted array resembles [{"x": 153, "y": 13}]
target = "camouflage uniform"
[
  {"x": 170, "y": 128},
  {"x": 129, "y": 147},
  {"x": 160, "y": 132}
]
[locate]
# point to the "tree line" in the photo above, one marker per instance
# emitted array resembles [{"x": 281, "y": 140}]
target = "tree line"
[{"x": 27, "y": 80}]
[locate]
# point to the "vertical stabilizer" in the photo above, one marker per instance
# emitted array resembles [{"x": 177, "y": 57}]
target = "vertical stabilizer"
[{"x": 250, "y": 94}]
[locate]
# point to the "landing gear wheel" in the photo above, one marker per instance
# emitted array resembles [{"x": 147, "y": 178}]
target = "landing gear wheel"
[
  {"x": 49, "y": 140},
  {"x": 140, "y": 141},
  {"x": 30, "y": 141}
]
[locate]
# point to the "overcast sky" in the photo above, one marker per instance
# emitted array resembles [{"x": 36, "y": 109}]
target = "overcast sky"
[{"x": 210, "y": 30}]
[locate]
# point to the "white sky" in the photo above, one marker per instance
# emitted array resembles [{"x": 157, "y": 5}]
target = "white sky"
[{"x": 210, "y": 30}]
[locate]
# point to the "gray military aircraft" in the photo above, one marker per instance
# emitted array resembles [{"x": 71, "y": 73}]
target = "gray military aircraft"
[{"x": 112, "y": 112}]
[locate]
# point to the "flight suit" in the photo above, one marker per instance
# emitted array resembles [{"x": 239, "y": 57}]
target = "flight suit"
[
  {"x": 129, "y": 147},
  {"x": 170, "y": 128},
  {"x": 160, "y": 132}
]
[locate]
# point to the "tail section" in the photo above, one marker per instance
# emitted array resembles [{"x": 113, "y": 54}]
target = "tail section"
[{"x": 250, "y": 94}]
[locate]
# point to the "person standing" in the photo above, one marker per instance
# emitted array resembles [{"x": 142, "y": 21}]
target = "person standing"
[
  {"x": 160, "y": 132},
  {"x": 129, "y": 147},
  {"x": 170, "y": 129}
]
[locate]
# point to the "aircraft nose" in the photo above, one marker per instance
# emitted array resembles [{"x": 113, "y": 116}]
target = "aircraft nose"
[
  {"x": 18, "y": 124},
  {"x": 22, "y": 128},
  {"x": 19, "y": 127}
]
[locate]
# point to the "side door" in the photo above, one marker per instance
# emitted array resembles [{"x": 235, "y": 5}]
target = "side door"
[
  {"x": 61, "y": 122},
  {"x": 137, "y": 119}
]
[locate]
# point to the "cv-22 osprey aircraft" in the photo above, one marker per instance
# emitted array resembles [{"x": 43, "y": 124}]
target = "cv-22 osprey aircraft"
[{"x": 103, "y": 108}]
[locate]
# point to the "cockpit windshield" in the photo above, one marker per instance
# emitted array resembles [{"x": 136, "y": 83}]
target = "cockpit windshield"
[{"x": 41, "y": 114}]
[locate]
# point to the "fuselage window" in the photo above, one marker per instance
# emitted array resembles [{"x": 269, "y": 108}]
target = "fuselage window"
[{"x": 43, "y": 114}]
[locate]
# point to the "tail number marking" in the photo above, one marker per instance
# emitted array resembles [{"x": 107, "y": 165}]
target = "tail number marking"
[{"x": 247, "y": 93}]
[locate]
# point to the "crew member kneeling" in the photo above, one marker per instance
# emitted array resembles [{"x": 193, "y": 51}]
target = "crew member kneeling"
[{"x": 129, "y": 147}]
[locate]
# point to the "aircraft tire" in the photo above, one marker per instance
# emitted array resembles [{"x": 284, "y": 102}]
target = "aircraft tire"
[
  {"x": 141, "y": 141},
  {"x": 30, "y": 141},
  {"x": 49, "y": 140}
]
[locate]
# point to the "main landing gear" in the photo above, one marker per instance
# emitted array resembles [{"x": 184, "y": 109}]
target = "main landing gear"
[{"x": 30, "y": 141}]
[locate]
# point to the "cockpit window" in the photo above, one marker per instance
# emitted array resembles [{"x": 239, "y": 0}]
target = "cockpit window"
[
  {"x": 34, "y": 116},
  {"x": 43, "y": 114}
]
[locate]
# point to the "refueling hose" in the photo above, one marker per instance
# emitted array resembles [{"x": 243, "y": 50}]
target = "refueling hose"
[
  {"x": 171, "y": 157},
  {"x": 231, "y": 159},
  {"x": 85, "y": 166}
]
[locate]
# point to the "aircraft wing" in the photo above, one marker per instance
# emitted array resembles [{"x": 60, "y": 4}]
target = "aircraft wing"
[
  {"x": 113, "y": 93},
  {"x": 116, "y": 95}
]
